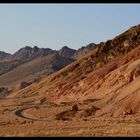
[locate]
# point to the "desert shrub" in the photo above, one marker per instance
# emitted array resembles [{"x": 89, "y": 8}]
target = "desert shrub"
[{"x": 75, "y": 108}]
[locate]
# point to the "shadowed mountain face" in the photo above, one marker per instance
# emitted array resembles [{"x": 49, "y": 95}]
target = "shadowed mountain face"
[
  {"x": 3, "y": 55},
  {"x": 22, "y": 56},
  {"x": 67, "y": 52},
  {"x": 109, "y": 73},
  {"x": 9, "y": 62},
  {"x": 27, "y": 53},
  {"x": 76, "y": 54}
]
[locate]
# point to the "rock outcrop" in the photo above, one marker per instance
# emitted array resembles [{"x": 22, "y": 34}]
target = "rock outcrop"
[
  {"x": 4, "y": 55},
  {"x": 83, "y": 50},
  {"x": 67, "y": 52}
]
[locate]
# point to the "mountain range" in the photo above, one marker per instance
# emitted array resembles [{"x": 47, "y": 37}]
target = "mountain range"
[{"x": 28, "y": 64}]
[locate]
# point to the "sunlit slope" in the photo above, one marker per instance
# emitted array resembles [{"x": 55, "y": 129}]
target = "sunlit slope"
[{"x": 109, "y": 73}]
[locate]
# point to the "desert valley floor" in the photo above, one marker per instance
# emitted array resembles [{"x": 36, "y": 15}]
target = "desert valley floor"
[{"x": 24, "y": 118}]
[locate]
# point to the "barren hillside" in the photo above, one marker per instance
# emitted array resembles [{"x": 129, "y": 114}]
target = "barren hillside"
[
  {"x": 107, "y": 73},
  {"x": 96, "y": 95},
  {"x": 36, "y": 69}
]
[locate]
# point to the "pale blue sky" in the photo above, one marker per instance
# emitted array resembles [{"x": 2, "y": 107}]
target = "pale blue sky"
[{"x": 56, "y": 25}]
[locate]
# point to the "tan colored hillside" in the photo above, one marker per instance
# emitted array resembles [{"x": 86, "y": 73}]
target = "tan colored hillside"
[
  {"x": 35, "y": 69},
  {"x": 95, "y": 76},
  {"x": 97, "y": 95}
]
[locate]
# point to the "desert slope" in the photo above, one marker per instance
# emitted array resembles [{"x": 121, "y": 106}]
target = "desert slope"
[
  {"x": 107, "y": 73},
  {"x": 96, "y": 95},
  {"x": 35, "y": 69}
]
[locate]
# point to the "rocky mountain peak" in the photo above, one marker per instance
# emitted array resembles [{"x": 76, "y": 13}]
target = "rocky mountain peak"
[
  {"x": 66, "y": 52},
  {"x": 83, "y": 50}
]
